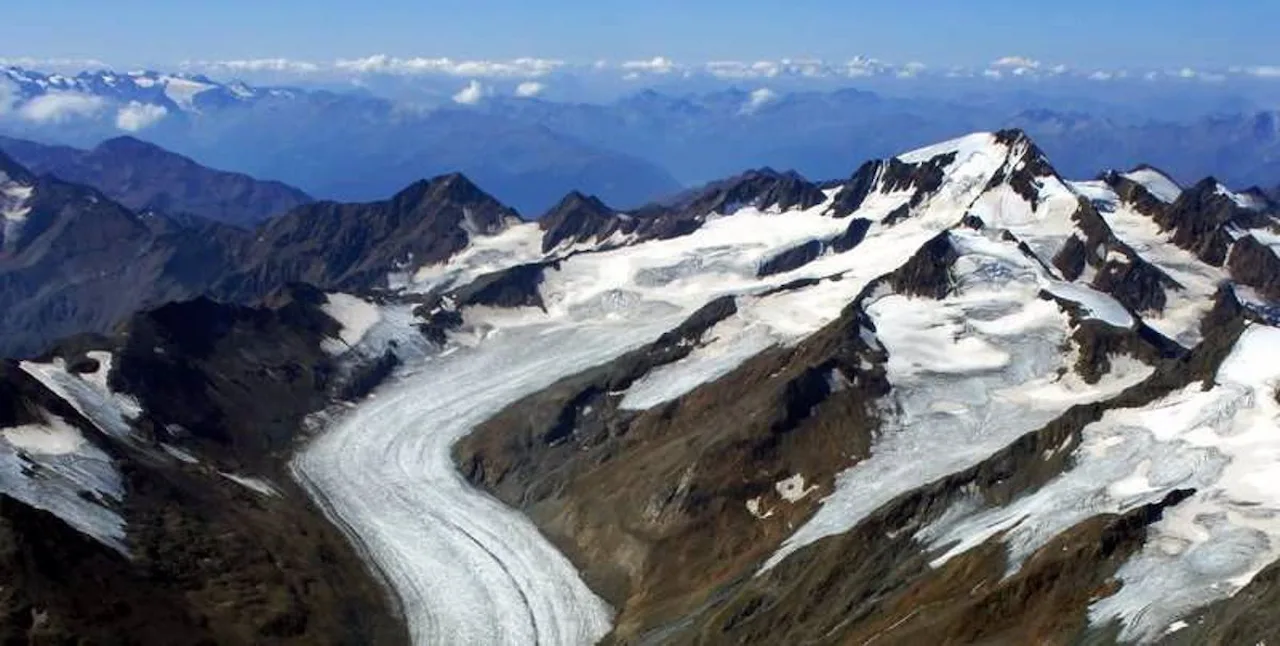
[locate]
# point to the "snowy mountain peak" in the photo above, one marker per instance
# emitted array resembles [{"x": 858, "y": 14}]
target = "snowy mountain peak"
[{"x": 178, "y": 92}]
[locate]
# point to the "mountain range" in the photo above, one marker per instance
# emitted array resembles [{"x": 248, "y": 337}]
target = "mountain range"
[
  {"x": 350, "y": 144},
  {"x": 952, "y": 396}
]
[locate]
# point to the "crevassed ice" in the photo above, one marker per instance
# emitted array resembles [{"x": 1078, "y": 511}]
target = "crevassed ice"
[
  {"x": 973, "y": 372},
  {"x": 1222, "y": 442}
]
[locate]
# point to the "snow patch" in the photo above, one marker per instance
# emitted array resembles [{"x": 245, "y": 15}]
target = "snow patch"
[
  {"x": 1157, "y": 183},
  {"x": 355, "y": 315},
  {"x": 792, "y": 489},
  {"x": 254, "y": 484}
]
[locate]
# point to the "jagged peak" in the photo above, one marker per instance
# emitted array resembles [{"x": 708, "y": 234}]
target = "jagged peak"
[
  {"x": 453, "y": 188},
  {"x": 761, "y": 188},
  {"x": 576, "y": 200}
]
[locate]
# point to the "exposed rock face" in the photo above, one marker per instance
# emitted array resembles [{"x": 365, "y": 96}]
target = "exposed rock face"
[
  {"x": 222, "y": 392},
  {"x": 1198, "y": 220},
  {"x": 353, "y": 246},
  {"x": 145, "y": 177},
  {"x": 61, "y": 277},
  {"x": 1134, "y": 193},
  {"x": 78, "y": 262},
  {"x": 1257, "y": 265},
  {"x": 763, "y": 189},
  {"x": 578, "y": 218}
]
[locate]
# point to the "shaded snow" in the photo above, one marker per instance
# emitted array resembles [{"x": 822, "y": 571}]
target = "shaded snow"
[
  {"x": 52, "y": 466},
  {"x": 356, "y": 316},
  {"x": 14, "y": 208}
]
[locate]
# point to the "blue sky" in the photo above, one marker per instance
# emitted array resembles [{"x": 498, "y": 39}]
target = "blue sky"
[{"x": 938, "y": 32}]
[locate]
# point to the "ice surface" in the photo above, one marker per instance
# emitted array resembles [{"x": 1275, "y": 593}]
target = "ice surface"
[
  {"x": 183, "y": 91},
  {"x": 52, "y": 466},
  {"x": 1223, "y": 442},
  {"x": 977, "y": 143},
  {"x": 973, "y": 371},
  {"x": 88, "y": 393},
  {"x": 1097, "y": 305},
  {"x": 516, "y": 245},
  {"x": 1158, "y": 184},
  {"x": 467, "y": 569}
]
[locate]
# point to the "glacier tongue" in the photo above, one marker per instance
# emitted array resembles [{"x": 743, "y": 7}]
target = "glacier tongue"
[{"x": 468, "y": 570}]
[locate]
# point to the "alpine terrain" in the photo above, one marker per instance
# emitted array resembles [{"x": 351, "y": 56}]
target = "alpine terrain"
[{"x": 954, "y": 397}]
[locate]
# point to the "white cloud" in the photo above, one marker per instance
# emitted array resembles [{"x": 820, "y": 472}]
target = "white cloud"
[
  {"x": 758, "y": 98},
  {"x": 1101, "y": 75},
  {"x": 1187, "y": 73},
  {"x": 516, "y": 68},
  {"x": 655, "y": 65},
  {"x": 139, "y": 116},
  {"x": 1016, "y": 61},
  {"x": 1263, "y": 71},
  {"x": 62, "y": 64},
  {"x": 742, "y": 70},
  {"x": 911, "y": 70},
  {"x": 56, "y": 107},
  {"x": 257, "y": 65},
  {"x": 530, "y": 89},
  {"x": 472, "y": 94},
  {"x": 992, "y": 74},
  {"x": 8, "y": 96}
]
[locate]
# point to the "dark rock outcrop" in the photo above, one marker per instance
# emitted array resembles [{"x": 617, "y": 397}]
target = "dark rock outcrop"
[
  {"x": 578, "y": 218},
  {"x": 1256, "y": 265},
  {"x": 210, "y": 560}
]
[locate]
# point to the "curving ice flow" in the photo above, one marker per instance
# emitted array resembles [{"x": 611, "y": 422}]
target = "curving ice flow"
[{"x": 468, "y": 570}]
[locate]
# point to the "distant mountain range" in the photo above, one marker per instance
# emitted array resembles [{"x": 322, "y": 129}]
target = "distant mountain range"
[
  {"x": 145, "y": 177},
  {"x": 347, "y": 146},
  {"x": 351, "y": 145}
]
